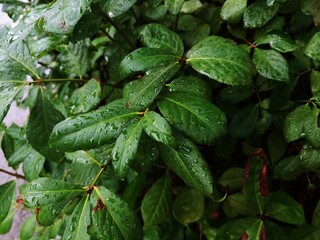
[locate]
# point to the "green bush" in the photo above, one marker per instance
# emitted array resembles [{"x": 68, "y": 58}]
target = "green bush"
[{"x": 163, "y": 119}]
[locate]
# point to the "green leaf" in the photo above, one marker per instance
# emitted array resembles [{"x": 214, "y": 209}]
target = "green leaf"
[
  {"x": 255, "y": 230},
  {"x": 123, "y": 218},
  {"x": 188, "y": 207},
  {"x": 7, "y": 191},
  {"x": 43, "y": 191},
  {"x": 126, "y": 147},
  {"x": 258, "y": 14},
  {"x": 141, "y": 93},
  {"x": 114, "y": 8},
  {"x": 315, "y": 84},
  {"x": 287, "y": 169},
  {"x": 240, "y": 204},
  {"x": 147, "y": 59},
  {"x": 278, "y": 40},
  {"x": 48, "y": 213},
  {"x": 15, "y": 59},
  {"x": 234, "y": 229},
  {"x": 27, "y": 228},
  {"x": 85, "y": 98},
  {"x": 158, "y": 36},
  {"x": 156, "y": 204},
  {"x": 75, "y": 59},
  {"x": 9, "y": 89},
  {"x": 157, "y": 13},
  {"x": 284, "y": 208},
  {"x": 133, "y": 189},
  {"x": 191, "y": 6},
  {"x": 6, "y": 224},
  {"x": 232, "y": 10},
  {"x": 62, "y": 15},
  {"x": 91, "y": 129},
  {"x": 235, "y": 94},
  {"x": 222, "y": 60},
  {"x": 232, "y": 178},
  {"x": 271, "y": 64},
  {"x": 79, "y": 221},
  {"x": 157, "y": 127},
  {"x": 174, "y": 6},
  {"x": 43, "y": 117},
  {"x": 244, "y": 121},
  {"x": 194, "y": 116},
  {"x": 309, "y": 158},
  {"x": 32, "y": 164},
  {"x": 187, "y": 162},
  {"x": 312, "y": 48},
  {"x": 192, "y": 85}
]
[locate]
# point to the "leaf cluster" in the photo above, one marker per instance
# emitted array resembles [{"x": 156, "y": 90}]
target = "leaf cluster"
[{"x": 162, "y": 119}]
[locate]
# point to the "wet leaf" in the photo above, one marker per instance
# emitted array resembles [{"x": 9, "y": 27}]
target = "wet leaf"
[
  {"x": 62, "y": 15},
  {"x": 188, "y": 163},
  {"x": 115, "y": 8},
  {"x": 79, "y": 221},
  {"x": 312, "y": 50},
  {"x": 158, "y": 36},
  {"x": 126, "y": 147},
  {"x": 258, "y": 14},
  {"x": 121, "y": 216},
  {"x": 157, "y": 127},
  {"x": 271, "y": 64},
  {"x": 43, "y": 191},
  {"x": 147, "y": 59},
  {"x": 232, "y": 10},
  {"x": 85, "y": 98},
  {"x": 222, "y": 60},
  {"x": 91, "y": 129},
  {"x": 141, "y": 93},
  {"x": 196, "y": 117},
  {"x": 156, "y": 204}
]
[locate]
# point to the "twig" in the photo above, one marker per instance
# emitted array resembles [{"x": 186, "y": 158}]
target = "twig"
[{"x": 13, "y": 174}]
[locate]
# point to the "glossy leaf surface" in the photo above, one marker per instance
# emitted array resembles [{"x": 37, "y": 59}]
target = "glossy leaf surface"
[
  {"x": 91, "y": 129},
  {"x": 188, "y": 163},
  {"x": 222, "y": 60},
  {"x": 271, "y": 64},
  {"x": 43, "y": 191},
  {"x": 121, "y": 215},
  {"x": 197, "y": 118},
  {"x": 6, "y": 194}
]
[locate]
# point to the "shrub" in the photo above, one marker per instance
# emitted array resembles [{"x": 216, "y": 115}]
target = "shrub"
[{"x": 163, "y": 119}]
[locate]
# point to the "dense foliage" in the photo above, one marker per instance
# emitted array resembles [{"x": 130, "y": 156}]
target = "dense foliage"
[{"x": 163, "y": 119}]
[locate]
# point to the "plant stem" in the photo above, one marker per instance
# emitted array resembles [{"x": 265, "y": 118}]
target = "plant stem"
[
  {"x": 103, "y": 167},
  {"x": 92, "y": 159},
  {"x": 13, "y": 174},
  {"x": 107, "y": 18}
]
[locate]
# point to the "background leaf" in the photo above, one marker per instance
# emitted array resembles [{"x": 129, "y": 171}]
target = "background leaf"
[
  {"x": 7, "y": 191},
  {"x": 188, "y": 207},
  {"x": 312, "y": 49},
  {"x": 156, "y": 204},
  {"x": 43, "y": 117},
  {"x": 115, "y": 8},
  {"x": 232, "y": 10},
  {"x": 219, "y": 59}
]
